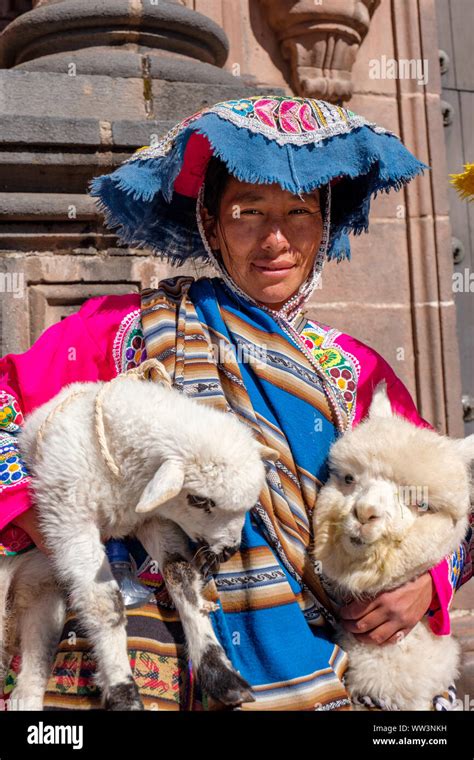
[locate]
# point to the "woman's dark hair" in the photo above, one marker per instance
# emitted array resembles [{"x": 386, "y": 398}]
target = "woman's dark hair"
[
  {"x": 216, "y": 179},
  {"x": 217, "y": 176}
]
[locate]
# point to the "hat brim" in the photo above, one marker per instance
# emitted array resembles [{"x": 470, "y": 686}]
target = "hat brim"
[{"x": 151, "y": 201}]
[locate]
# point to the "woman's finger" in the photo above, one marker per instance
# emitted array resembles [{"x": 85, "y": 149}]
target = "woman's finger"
[
  {"x": 367, "y": 622},
  {"x": 28, "y": 521},
  {"x": 398, "y": 636},
  {"x": 357, "y": 609},
  {"x": 382, "y": 634}
]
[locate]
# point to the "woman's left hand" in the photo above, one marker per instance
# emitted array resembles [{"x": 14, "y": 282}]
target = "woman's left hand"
[{"x": 390, "y": 615}]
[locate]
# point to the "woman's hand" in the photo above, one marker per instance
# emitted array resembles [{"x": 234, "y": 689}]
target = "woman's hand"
[
  {"x": 390, "y": 615},
  {"x": 28, "y": 521}
]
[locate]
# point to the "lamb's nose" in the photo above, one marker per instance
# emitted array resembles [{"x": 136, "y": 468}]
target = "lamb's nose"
[
  {"x": 227, "y": 553},
  {"x": 367, "y": 513}
]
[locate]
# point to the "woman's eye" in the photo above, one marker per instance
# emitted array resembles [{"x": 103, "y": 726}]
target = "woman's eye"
[
  {"x": 348, "y": 479},
  {"x": 423, "y": 506},
  {"x": 305, "y": 212},
  {"x": 251, "y": 211}
]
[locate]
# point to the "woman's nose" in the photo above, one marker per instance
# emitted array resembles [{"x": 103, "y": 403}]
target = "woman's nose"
[{"x": 275, "y": 238}]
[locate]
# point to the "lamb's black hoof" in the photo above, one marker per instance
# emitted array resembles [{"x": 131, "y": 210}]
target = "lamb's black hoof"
[
  {"x": 123, "y": 696},
  {"x": 219, "y": 681}
]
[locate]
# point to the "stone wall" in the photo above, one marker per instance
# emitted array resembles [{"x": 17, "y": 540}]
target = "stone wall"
[
  {"x": 396, "y": 293},
  {"x": 85, "y": 82},
  {"x": 68, "y": 114}
]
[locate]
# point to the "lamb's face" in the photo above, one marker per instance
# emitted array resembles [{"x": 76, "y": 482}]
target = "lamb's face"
[
  {"x": 209, "y": 489},
  {"x": 385, "y": 476},
  {"x": 216, "y": 498}
]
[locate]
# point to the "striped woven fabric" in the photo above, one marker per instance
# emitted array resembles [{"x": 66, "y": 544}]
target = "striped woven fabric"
[
  {"x": 199, "y": 336},
  {"x": 273, "y": 615},
  {"x": 273, "y": 612}
]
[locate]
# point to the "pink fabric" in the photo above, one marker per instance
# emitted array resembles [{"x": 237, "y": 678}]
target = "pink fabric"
[
  {"x": 373, "y": 369},
  {"x": 80, "y": 348},
  {"x": 77, "y": 349},
  {"x": 440, "y": 622}
]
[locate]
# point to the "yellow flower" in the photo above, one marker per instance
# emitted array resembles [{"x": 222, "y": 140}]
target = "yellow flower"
[
  {"x": 328, "y": 357},
  {"x": 464, "y": 182},
  {"x": 6, "y": 416}
]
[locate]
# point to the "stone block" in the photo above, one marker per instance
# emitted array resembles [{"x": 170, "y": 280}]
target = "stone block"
[
  {"x": 377, "y": 273},
  {"x": 379, "y": 41}
]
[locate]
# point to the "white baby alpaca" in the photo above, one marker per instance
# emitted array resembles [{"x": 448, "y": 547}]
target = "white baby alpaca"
[
  {"x": 396, "y": 503},
  {"x": 184, "y": 470}
]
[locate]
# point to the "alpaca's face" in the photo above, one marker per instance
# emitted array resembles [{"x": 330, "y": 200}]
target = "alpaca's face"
[
  {"x": 366, "y": 506},
  {"x": 212, "y": 506},
  {"x": 385, "y": 476}
]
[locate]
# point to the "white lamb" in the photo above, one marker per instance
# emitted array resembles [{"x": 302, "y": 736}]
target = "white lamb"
[
  {"x": 396, "y": 502},
  {"x": 117, "y": 459}
]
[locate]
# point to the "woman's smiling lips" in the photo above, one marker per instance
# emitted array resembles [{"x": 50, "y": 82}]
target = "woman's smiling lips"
[{"x": 273, "y": 270}]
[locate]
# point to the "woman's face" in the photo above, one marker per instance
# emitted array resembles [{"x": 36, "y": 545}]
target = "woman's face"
[{"x": 268, "y": 238}]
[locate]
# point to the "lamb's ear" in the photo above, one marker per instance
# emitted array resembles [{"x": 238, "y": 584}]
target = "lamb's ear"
[
  {"x": 266, "y": 452},
  {"x": 380, "y": 405},
  {"x": 166, "y": 483},
  {"x": 465, "y": 448}
]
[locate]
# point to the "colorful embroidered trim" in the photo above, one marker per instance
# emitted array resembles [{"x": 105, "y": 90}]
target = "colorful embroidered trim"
[
  {"x": 456, "y": 562},
  {"x": 129, "y": 345},
  {"x": 294, "y": 120},
  {"x": 11, "y": 417},
  {"x": 342, "y": 368},
  {"x": 13, "y": 541},
  {"x": 12, "y": 468}
]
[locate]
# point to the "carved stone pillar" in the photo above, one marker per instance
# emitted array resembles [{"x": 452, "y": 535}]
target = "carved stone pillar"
[
  {"x": 320, "y": 40},
  {"x": 83, "y": 83},
  {"x": 112, "y": 36},
  {"x": 10, "y": 9}
]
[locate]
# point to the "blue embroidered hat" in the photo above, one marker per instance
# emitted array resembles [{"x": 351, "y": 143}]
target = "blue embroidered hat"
[{"x": 299, "y": 143}]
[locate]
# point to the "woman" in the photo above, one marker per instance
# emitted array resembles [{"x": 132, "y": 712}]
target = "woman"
[{"x": 266, "y": 190}]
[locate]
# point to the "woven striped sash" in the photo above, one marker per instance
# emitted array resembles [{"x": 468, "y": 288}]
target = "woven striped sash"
[{"x": 203, "y": 363}]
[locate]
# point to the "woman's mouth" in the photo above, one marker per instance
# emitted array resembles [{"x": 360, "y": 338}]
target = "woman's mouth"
[{"x": 273, "y": 271}]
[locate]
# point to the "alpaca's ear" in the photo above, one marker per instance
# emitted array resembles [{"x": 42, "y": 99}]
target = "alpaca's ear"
[
  {"x": 166, "y": 483},
  {"x": 465, "y": 448},
  {"x": 380, "y": 405},
  {"x": 266, "y": 452}
]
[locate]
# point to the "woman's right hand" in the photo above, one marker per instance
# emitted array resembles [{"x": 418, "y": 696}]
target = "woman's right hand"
[{"x": 28, "y": 521}]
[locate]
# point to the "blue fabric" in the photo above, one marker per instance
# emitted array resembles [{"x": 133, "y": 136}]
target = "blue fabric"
[
  {"x": 294, "y": 416},
  {"x": 275, "y": 644},
  {"x": 138, "y": 197}
]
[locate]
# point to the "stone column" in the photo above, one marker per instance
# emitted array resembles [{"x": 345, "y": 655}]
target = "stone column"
[
  {"x": 9, "y": 9},
  {"x": 83, "y": 83}
]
